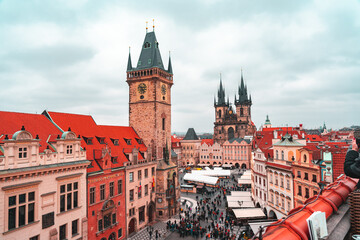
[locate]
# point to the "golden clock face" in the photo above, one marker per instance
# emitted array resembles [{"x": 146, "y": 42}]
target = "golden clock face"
[
  {"x": 163, "y": 89},
  {"x": 230, "y": 112},
  {"x": 142, "y": 88}
]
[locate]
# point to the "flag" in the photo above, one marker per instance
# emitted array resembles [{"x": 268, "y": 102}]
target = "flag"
[
  {"x": 153, "y": 183},
  {"x": 140, "y": 187}
]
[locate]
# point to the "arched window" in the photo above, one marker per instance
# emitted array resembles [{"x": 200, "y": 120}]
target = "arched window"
[
  {"x": 147, "y": 45},
  {"x": 305, "y": 158},
  {"x": 219, "y": 113},
  {"x": 282, "y": 155},
  {"x": 277, "y": 154}
]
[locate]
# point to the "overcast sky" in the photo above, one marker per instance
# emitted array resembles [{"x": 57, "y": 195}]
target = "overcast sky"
[{"x": 300, "y": 59}]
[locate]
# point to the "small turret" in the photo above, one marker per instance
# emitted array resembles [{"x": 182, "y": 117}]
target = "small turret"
[{"x": 129, "y": 65}]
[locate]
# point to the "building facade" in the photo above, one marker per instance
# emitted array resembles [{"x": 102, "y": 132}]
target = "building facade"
[
  {"x": 237, "y": 152},
  {"x": 107, "y": 148},
  {"x": 230, "y": 123},
  {"x": 306, "y": 170},
  {"x": 42, "y": 180},
  {"x": 210, "y": 153},
  {"x": 259, "y": 179},
  {"x": 190, "y": 149},
  {"x": 280, "y": 176}
]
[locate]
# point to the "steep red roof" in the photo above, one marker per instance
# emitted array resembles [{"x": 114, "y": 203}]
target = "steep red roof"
[
  {"x": 338, "y": 159},
  {"x": 118, "y": 140},
  {"x": 208, "y": 142},
  {"x": 314, "y": 138},
  {"x": 36, "y": 124}
]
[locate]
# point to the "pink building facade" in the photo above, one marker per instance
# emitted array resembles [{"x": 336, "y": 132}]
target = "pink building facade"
[
  {"x": 237, "y": 152},
  {"x": 210, "y": 153},
  {"x": 42, "y": 180}
]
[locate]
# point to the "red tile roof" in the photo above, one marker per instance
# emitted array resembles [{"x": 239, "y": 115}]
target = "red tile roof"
[
  {"x": 36, "y": 124},
  {"x": 208, "y": 142},
  {"x": 295, "y": 226},
  {"x": 314, "y": 138},
  {"x": 87, "y": 128}
]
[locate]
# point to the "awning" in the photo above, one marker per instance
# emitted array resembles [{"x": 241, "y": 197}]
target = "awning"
[
  {"x": 240, "y": 193},
  {"x": 244, "y": 181},
  {"x": 248, "y": 213},
  {"x": 203, "y": 164},
  {"x": 235, "y": 199},
  {"x": 218, "y": 172},
  {"x": 241, "y": 204},
  {"x": 227, "y": 165},
  {"x": 201, "y": 178}
]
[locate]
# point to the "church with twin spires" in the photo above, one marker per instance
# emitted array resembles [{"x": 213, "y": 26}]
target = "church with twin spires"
[{"x": 233, "y": 122}]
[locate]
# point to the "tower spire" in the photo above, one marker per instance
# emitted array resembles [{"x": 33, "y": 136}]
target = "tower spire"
[
  {"x": 129, "y": 65},
  {"x": 170, "y": 66}
]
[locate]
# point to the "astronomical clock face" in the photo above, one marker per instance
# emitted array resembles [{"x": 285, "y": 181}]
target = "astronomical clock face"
[
  {"x": 142, "y": 88},
  {"x": 163, "y": 89}
]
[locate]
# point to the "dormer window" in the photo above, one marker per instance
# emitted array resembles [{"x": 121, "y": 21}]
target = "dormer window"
[
  {"x": 149, "y": 61},
  {"x": 101, "y": 140},
  {"x": 115, "y": 142},
  {"x": 69, "y": 149},
  {"x": 128, "y": 141},
  {"x": 88, "y": 140},
  {"x": 147, "y": 45},
  {"x": 139, "y": 141},
  {"x": 22, "y": 153}
]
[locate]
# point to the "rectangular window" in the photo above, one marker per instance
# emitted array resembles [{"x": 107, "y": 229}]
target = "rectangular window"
[
  {"x": 107, "y": 221},
  {"x": 119, "y": 186},
  {"x": 48, "y": 220},
  {"x": 131, "y": 195},
  {"x": 306, "y": 177},
  {"x": 131, "y": 176},
  {"x": 111, "y": 189},
  {"x": 22, "y": 212},
  {"x": 152, "y": 171},
  {"x": 22, "y": 152},
  {"x": 299, "y": 191},
  {"x": 100, "y": 225},
  {"x": 314, "y": 179},
  {"x": 120, "y": 233},
  {"x": 113, "y": 219},
  {"x": 74, "y": 227},
  {"x": 315, "y": 193},
  {"x": 298, "y": 174},
  {"x": 287, "y": 184},
  {"x": 163, "y": 124},
  {"x": 68, "y": 196},
  {"x": 69, "y": 149},
  {"x": 146, "y": 173},
  {"x": 102, "y": 192},
  {"x": 307, "y": 193},
  {"x": 92, "y": 195},
  {"x": 139, "y": 175},
  {"x": 146, "y": 190},
  {"x": 35, "y": 237},
  {"x": 62, "y": 232}
]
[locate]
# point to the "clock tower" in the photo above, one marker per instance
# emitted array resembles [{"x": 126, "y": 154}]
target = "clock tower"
[
  {"x": 150, "y": 115},
  {"x": 150, "y": 98}
]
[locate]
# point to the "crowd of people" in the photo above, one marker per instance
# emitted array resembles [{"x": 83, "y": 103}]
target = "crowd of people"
[{"x": 208, "y": 219}]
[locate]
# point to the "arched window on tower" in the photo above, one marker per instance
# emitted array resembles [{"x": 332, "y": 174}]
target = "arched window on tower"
[
  {"x": 219, "y": 113},
  {"x": 147, "y": 45}
]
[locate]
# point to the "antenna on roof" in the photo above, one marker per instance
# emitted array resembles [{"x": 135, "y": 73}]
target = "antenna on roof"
[
  {"x": 153, "y": 25},
  {"x": 146, "y": 26}
]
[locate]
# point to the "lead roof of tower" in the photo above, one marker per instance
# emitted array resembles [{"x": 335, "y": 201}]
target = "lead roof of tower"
[
  {"x": 150, "y": 54},
  {"x": 191, "y": 135}
]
